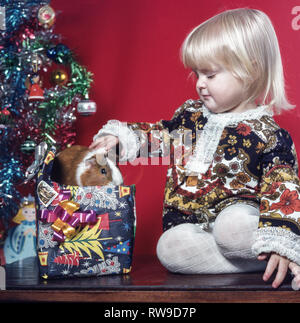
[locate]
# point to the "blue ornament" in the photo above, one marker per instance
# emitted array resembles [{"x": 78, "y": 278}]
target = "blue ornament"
[
  {"x": 51, "y": 53},
  {"x": 63, "y": 53},
  {"x": 60, "y": 54}
]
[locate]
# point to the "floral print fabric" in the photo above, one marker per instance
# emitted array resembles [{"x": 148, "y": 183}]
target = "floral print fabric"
[{"x": 255, "y": 162}]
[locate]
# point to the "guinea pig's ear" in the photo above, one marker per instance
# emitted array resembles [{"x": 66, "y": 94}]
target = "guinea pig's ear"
[
  {"x": 101, "y": 159},
  {"x": 90, "y": 161},
  {"x": 117, "y": 177}
]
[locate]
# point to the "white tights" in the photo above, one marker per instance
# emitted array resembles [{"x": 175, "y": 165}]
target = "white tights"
[{"x": 224, "y": 248}]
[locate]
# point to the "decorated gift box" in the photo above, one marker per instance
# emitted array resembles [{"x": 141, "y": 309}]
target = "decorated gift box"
[{"x": 83, "y": 231}]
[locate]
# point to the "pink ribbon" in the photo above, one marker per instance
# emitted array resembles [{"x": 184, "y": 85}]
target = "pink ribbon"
[
  {"x": 47, "y": 216},
  {"x": 77, "y": 218}
]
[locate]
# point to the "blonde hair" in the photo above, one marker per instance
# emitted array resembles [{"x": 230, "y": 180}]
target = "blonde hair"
[
  {"x": 244, "y": 42},
  {"x": 19, "y": 218}
]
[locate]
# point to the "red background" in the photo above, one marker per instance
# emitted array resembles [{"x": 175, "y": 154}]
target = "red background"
[{"x": 132, "y": 48}]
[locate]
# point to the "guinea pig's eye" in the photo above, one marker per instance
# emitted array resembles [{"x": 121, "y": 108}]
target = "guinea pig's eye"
[{"x": 103, "y": 171}]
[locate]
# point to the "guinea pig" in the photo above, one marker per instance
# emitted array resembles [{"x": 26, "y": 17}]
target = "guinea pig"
[{"x": 81, "y": 166}]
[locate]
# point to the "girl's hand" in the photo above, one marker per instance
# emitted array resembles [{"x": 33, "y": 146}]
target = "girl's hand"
[
  {"x": 275, "y": 261},
  {"x": 107, "y": 142},
  {"x": 282, "y": 264}
]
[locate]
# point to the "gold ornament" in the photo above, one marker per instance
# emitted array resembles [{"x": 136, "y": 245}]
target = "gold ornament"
[{"x": 59, "y": 77}]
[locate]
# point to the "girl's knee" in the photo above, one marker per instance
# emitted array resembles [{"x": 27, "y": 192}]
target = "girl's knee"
[
  {"x": 171, "y": 238},
  {"x": 170, "y": 247}
]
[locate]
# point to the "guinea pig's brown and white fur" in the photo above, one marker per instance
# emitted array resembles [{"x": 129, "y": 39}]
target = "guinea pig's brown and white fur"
[{"x": 81, "y": 166}]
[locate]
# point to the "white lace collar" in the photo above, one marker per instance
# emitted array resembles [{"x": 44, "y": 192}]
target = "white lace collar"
[
  {"x": 207, "y": 142},
  {"x": 230, "y": 118}
]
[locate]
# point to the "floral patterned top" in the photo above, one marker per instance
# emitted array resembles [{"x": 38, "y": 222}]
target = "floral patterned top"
[{"x": 220, "y": 159}]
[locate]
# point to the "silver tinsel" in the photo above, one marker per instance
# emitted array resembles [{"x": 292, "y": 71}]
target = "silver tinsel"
[{"x": 2, "y": 18}]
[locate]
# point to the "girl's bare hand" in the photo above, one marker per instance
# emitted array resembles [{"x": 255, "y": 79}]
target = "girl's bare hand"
[{"x": 275, "y": 262}]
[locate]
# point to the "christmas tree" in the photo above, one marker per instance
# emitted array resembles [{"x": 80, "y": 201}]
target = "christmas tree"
[{"x": 41, "y": 84}]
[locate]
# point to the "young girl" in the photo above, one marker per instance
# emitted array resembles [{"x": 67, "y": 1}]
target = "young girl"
[{"x": 233, "y": 199}]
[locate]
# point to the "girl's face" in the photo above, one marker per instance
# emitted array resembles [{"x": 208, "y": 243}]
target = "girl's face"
[{"x": 221, "y": 91}]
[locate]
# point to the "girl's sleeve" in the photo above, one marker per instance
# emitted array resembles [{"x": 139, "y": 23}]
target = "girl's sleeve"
[
  {"x": 279, "y": 223},
  {"x": 142, "y": 139}
]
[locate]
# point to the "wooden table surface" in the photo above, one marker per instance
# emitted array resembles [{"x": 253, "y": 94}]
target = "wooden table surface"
[{"x": 148, "y": 282}]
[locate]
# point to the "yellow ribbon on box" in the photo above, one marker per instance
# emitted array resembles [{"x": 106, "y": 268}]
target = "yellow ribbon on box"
[
  {"x": 65, "y": 222},
  {"x": 69, "y": 206},
  {"x": 60, "y": 225}
]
